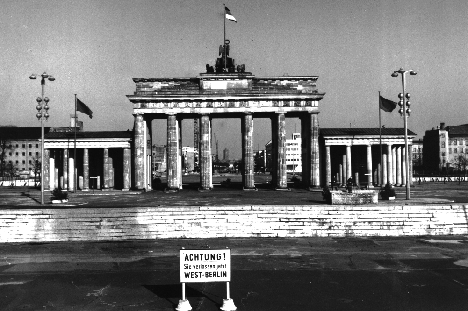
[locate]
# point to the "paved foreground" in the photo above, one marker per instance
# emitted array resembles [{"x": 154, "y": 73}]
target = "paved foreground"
[
  {"x": 411, "y": 273},
  {"x": 425, "y": 193}
]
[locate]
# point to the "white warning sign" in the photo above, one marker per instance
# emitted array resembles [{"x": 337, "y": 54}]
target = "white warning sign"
[{"x": 199, "y": 266}]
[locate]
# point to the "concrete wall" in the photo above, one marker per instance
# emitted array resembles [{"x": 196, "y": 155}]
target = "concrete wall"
[{"x": 33, "y": 225}]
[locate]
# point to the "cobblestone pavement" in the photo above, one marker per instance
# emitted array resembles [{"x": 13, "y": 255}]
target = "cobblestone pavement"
[{"x": 427, "y": 193}]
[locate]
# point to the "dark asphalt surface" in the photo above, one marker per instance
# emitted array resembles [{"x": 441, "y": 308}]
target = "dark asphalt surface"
[
  {"x": 407, "y": 273},
  {"x": 411, "y": 273}
]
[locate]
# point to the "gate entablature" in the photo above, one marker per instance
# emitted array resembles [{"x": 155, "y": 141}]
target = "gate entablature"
[{"x": 225, "y": 93}]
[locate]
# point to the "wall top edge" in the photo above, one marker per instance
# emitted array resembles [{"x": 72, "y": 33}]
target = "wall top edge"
[
  {"x": 217, "y": 97},
  {"x": 224, "y": 76}
]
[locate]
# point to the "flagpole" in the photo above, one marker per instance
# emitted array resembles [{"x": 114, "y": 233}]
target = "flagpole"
[
  {"x": 74, "y": 148},
  {"x": 380, "y": 134},
  {"x": 224, "y": 42}
]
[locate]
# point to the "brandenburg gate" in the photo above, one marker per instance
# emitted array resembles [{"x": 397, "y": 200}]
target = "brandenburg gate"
[{"x": 228, "y": 93}]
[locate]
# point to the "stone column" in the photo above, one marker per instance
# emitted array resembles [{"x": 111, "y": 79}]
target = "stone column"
[
  {"x": 126, "y": 169},
  {"x": 85, "y": 169},
  {"x": 274, "y": 151},
  {"x": 378, "y": 179},
  {"x": 305, "y": 146},
  {"x": 369, "y": 166},
  {"x": 71, "y": 174},
  {"x": 105, "y": 169},
  {"x": 384, "y": 169},
  {"x": 247, "y": 152},
  {"x": 181, "y": 155},
  {"x": 205, "y": 153},
  {"x": 46, "y": 169},
  {"x": 148, "y": 176},
  {"x": 328, "y": 181},
  {"x": 172, "y": 149},
  {"x": 281, "y": 173},
  {"x": 398, "y": 165},
  {"x": 394, "y": 164},
  {"x": 349, "y": 172},
  {"x": 56, "y": 178},
  {"x": 389, "y": 164},
  {"x": 52, "y": 173},
  {"x": 343, "y": 172},
  {"x": 111, "y": 173},
  {"x": 139, "y": 157},
  {"x": 314, "y": 151},
  {"x": 410, "y": 157},
  {"x": 403, "y": 168},
  {"x": 65, "y": 169},
  {"x": 339, "y": 179}
]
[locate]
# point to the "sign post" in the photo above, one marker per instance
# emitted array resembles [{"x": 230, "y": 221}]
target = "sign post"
[{"x": 201, "y": 266}]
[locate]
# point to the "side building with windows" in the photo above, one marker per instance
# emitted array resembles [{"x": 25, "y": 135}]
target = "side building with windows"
[
  {"x": 20, "y": 150},
  {"x": 294, "y": 154},
  {"x": 443, "y": 147}
]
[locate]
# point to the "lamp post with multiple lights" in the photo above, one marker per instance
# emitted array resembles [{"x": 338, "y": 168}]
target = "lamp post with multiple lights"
[
  {"x": 405, "y": 112},
  {"x": 42, "y": 114}
]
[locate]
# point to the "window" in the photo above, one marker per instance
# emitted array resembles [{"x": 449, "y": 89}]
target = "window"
[
  {"x": 23, "y": 153},
  {"x": 30, "y": 153},
  {"x": 443, "y": 154},
  {"x": 450, "y": 151},
  {"x": 443, "y": 144},
  {"x": 454, "y": 150},
  {"x": 37, "y": 153},
  {"x": 30, "y": 145},
  {"x": 30, "y": 162},
  {"x": 17, "y": 145},
  {"x": 37, "y": 146},
  {"x": 16, "y": 153},
  {"x": 16, "y": 162},
  {"x": 9, "y": 153},
  {"x": 23, "y": 146},
  {"x": 454, "y": 141},
  {"x": 23, "y": 162},
  {"x": 9, "y": 146}
]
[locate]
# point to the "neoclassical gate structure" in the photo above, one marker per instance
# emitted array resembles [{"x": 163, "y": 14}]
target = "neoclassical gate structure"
[{"x": 225, "y": 95}]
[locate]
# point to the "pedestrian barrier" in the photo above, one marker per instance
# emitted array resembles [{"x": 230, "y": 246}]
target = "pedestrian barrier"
[{"x": 443, "y": 179}]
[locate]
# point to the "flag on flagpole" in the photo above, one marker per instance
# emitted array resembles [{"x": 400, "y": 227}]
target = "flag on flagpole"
[
  {"x": 81, "y": 107},
  {"x": 229, "y": 16},
  {"x": 386, "y": 104}
]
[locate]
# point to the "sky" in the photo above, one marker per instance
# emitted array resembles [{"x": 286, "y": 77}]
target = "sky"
[{"x": 95, "y": 48}]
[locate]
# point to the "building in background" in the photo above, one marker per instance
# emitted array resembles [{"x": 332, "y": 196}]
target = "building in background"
[
  {"x": 260, "y": 160},
  {"x": 294, "y": 154},
  {"x": 159, "y": 158},
  {"x": 444, "y": 147},
  {"x": 190, "y": 154},
  {"x": 226, "y": 155},
  {"x": 20, "y": 150},
  {"x": 418, "y": 156}
]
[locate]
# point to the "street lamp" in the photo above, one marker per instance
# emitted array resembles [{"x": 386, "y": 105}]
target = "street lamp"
[
  {"x": 405, "y": 112},
  {"x": 42, "y": 114}
]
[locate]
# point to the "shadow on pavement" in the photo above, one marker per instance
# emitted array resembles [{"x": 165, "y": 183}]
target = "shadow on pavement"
[{"x": 173, "y": 292}]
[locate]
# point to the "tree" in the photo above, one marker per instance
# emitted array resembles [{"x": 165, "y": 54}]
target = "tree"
[
  {"x": 5, "y": 145},
  {"x": 10, "y": 169},
  {"x": 461, "y": 163},
  {"x": 36, "y": 168}
]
